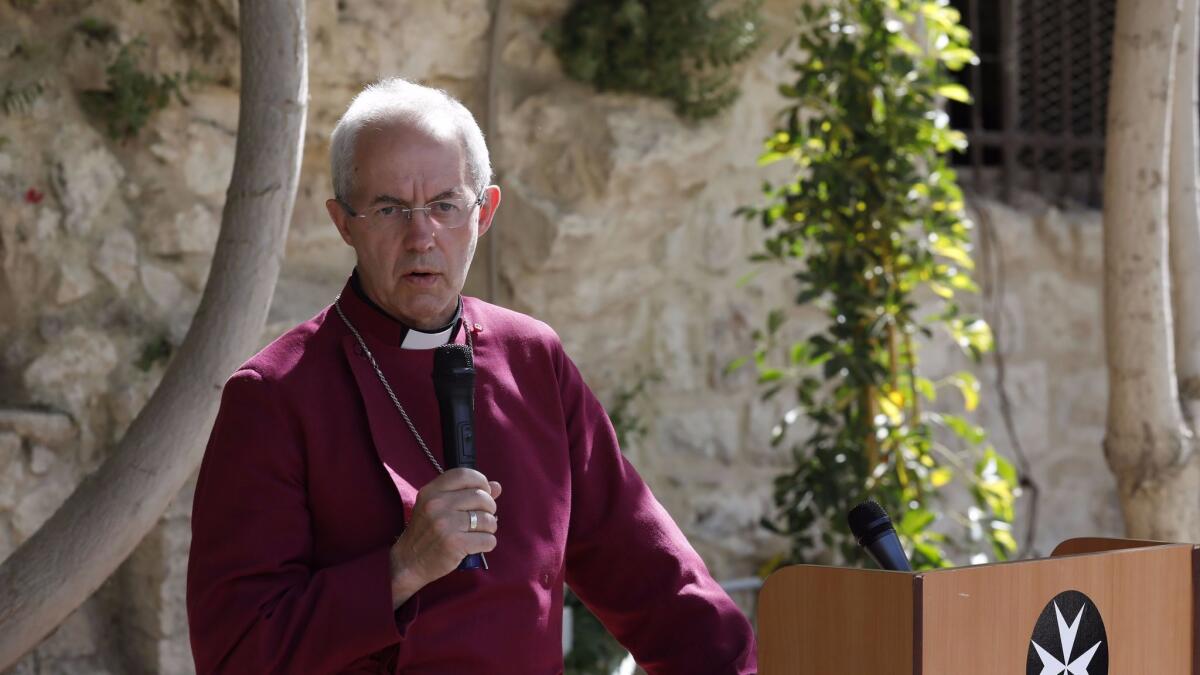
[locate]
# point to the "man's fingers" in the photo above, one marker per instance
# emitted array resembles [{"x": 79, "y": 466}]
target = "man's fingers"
[
  {"x": 484, "y": 522},
  {"x": 479, "y": 542},
  {"x": 460, "y": 479},
  {"x": 469, "y": 500},
  {"x": 495, "y": 488}
]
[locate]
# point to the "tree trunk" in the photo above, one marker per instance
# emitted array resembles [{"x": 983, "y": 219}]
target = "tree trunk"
[
  {"x": 1185, "y": 217},
  {"x": 1147, "y": 445},
  {"x": 113, "y": 509}
]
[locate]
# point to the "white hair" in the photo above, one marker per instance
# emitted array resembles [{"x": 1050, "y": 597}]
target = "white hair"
[{"x": 397, "y": 99}]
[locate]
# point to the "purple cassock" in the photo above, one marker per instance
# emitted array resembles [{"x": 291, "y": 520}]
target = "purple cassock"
[{"x": 310, "y": 474}]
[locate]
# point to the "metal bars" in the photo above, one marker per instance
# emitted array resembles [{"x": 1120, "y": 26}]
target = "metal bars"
[{"x": 1040, "y": 95}]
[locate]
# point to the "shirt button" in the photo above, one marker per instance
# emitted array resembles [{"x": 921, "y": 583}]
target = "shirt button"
[{"x": 545, "y": 580}]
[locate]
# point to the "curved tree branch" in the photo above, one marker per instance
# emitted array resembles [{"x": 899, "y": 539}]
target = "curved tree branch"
[{"x": 113, "y": 509}]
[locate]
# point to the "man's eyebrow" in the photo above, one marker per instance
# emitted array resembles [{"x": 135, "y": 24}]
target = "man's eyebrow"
[{"x": 389, "y": 199}]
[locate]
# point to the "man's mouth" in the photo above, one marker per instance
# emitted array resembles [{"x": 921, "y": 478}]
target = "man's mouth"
[{"x": 421, "y": 277}]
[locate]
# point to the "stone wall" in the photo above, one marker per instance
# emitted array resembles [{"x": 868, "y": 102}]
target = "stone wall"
[{"x": 616, "y": 229}]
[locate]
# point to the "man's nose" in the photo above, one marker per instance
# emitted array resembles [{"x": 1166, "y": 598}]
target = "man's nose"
[{"x": 419, "y": 231}]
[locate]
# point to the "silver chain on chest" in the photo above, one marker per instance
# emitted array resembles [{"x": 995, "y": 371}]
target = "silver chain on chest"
[{"x": 391, "y": 394}]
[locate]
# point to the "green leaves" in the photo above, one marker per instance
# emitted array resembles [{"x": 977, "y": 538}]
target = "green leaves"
[
  {"x": 954, "y": 92},
  {"x": 132, "y": 95},
  {"x": 872, "y": 218},
  {"x": 680, "y": 50}
]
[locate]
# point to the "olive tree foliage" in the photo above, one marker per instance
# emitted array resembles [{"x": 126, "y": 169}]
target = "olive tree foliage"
[{"x": 101, "y": 523}]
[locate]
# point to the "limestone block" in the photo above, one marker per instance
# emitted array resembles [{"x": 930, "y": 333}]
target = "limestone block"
[
  {"x": 84, "y": 175},
  {"x": 208, "y": 160},
  {"x": 38, "y": 426},
  {"x": 409, "y": 38},
  {"x": 125, "y": 403},
  {"x": 1064, "y": 317},
  {"x": 117, "y": 259},
  {"x": 1074, "y": 237},
  {"x": 46, "y": 494},
  {"x": 654, "y": 154},
  {"x": 526, "y": 49},
  {"x": 1082, "y": 398},
  {"x": 76, "y": 636},
  {"x": 1078, "y": 496},
  {"x": 41, "y": 460},
  {"x": 1029, "y": 392},
  {"x": 557, "y": 146},
  {"x": 163, "y": 287},
  {"x": 674, "y": 348},
  {"x": 10, "y": 449},
  {"x": 728, "y": 518},
  {"x": 193, "y": 230},
  {"x": 1013, "y": 232},
  {"x": 700, "y": 433},
  {"x": 13, "y": 478},
  {"x": 73, "y": 369},
  {"x": 75, "y": 281}
]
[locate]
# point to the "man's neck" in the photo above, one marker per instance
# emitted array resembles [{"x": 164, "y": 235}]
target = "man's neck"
[{"x": 410, "y": 337}]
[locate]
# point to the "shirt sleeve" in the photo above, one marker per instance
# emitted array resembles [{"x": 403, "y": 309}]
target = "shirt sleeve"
[
  {"x": 256, "y": 603},
  {"x": 629, "y": 562}
]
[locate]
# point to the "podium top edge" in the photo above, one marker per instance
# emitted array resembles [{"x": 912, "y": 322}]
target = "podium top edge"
[{"x": 1070, "y": 548}]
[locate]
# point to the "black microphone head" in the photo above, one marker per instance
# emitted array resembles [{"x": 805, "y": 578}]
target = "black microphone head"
[
  {"x": 868, "y": 520},
  {"x": 448, "y": 358}
]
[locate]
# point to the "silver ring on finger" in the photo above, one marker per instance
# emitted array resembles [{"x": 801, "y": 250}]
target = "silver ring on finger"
[{"x": 474, "y": 521}]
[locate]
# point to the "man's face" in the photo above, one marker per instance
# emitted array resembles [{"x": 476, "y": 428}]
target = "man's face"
[{"x": 414, "y": 270}]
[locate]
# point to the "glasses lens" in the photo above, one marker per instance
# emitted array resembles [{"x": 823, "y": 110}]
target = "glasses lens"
[{"x": 449, "y": 213}]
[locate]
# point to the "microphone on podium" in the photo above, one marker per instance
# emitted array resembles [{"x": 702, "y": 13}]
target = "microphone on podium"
[
  {"x": 873, "y": 530},
  {"x": 454, "y": 384}
]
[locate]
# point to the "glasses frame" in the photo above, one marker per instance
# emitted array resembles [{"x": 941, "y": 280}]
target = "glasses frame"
[{"x": 407, "y": 211}]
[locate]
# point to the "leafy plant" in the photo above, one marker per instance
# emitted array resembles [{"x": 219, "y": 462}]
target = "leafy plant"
[
  {"x": 96, "y": 30},
  {"x": 156, "y": 350},
  {"x": 871, "y": 220},
  {"x": 680, "y": 50},
  {"x": 18, "y": 98},
  {"x": 626, "y": 420},
  {"x": 593, "y": 650},
  {"x": 132, "y": 95}
]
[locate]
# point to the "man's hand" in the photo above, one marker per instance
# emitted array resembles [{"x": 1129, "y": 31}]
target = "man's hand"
[{"x": 438, "y": 535}]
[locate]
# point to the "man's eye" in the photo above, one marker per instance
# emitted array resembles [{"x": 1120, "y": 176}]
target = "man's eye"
[
  {"x": 445, "y": 207},
  {"x": 387, "y": 211}
]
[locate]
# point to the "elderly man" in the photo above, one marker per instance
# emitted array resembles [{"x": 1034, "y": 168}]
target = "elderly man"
[{"x": 326, "y": 534}]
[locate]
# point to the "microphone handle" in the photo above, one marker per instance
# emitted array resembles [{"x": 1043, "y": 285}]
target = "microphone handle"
[
  {"x": 886, "y": 551},
  {"x": 458, "y": 441}
]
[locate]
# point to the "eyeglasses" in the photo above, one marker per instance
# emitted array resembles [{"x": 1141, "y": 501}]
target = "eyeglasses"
[{"x": 450, "y": 213}]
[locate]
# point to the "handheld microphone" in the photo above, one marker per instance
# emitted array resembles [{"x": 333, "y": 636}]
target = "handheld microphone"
[
  {"x": 454, "y": 384},
  {"x": 873, "y": 530}
]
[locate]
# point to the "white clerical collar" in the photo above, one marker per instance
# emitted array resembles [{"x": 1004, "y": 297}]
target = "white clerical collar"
[{"x": 416, "y": 339}]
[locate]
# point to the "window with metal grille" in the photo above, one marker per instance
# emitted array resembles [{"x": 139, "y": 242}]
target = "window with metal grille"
[{"x": 1041, "y": 94}]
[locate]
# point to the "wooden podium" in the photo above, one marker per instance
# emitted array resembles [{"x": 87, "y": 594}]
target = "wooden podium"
[{"x": 981, "y": 620}]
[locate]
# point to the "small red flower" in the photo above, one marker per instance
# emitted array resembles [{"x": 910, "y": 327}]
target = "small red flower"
[{"x": 33, "y": 196}]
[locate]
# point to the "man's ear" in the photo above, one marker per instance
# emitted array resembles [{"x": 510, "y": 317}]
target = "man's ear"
[
  {"x": 341, "y": 219},
  {"x": 487, "y": 210}
]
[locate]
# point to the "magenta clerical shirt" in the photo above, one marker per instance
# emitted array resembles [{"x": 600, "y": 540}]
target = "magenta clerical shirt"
[{"x": 310, "y": 474}]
